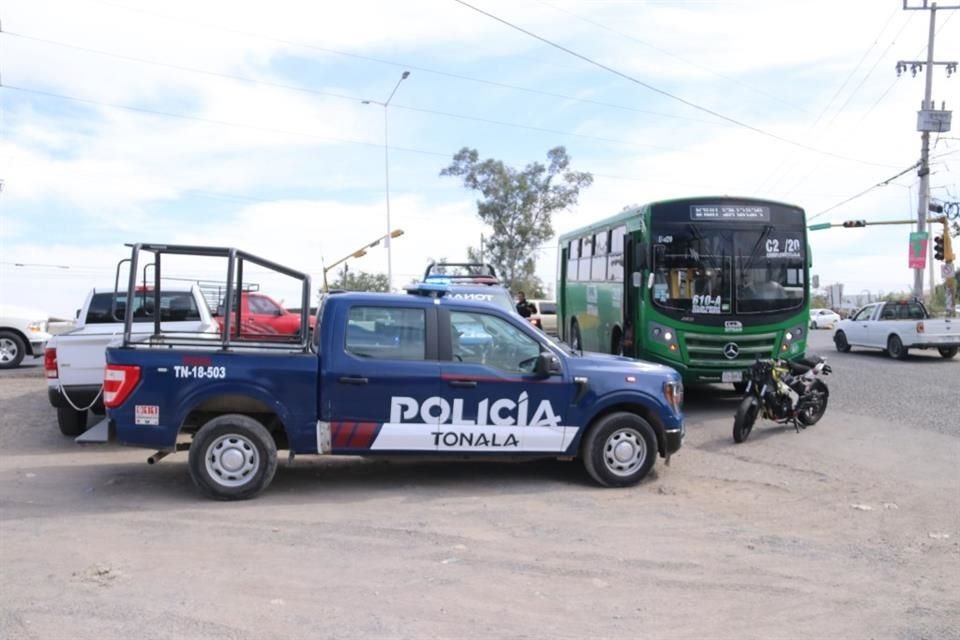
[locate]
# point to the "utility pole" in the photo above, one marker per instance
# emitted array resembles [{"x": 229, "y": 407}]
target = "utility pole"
[{"x": 927, "y": 120}]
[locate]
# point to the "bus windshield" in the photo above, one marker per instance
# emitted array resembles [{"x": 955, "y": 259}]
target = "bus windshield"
[{"x": 728, "y": 269}]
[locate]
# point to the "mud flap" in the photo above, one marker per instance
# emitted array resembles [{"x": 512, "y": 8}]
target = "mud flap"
[{"x": 100, "y": 433}]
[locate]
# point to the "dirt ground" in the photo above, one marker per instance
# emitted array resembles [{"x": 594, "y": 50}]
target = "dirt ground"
[{"x": 850, "y": 529}]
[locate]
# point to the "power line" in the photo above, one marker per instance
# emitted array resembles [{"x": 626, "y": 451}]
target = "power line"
[
  {"x": 671, "y": 54},
  {"x": 865, "y": 191},
  {"x": 662, "y": 92},
  {"x": 829, "y": 104}
]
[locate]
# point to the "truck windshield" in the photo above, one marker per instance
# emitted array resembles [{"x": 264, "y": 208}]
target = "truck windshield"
[{"x": 712, "y": 269}]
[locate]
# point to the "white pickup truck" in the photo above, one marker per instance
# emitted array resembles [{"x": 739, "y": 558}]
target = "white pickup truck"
[
  {"x": 897, "y": 327},
  {"x": 23, "y": 332},
  {"x": 74, "y": 361}
]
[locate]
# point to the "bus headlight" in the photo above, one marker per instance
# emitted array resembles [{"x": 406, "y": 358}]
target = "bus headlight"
[
  {"x": 790, "y": 338},
  {"x": 665, "y": 336}
]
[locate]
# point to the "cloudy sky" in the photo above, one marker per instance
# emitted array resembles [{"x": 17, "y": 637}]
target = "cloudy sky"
[{"x": 243, "y": 124}]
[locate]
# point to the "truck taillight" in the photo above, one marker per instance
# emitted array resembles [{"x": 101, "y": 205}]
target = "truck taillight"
[
  {"x": 118, "y": 381},
  {"x": 50, "y": 363}
]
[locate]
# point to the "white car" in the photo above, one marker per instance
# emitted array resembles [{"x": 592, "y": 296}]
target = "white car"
[
  {"x": 823, "y": 318},
  {"x": 544, "y": 316},
  {"x": 23, "y": 332}
]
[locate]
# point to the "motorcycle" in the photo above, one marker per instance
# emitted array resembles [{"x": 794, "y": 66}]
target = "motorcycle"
[{"x": 783, "y": 391}]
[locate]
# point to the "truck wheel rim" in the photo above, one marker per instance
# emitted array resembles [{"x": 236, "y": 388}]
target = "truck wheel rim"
[
  {"x": 624, "y": 452},
  {"x": 8, "y": 350},
  {"x": 232, "y": 460}
]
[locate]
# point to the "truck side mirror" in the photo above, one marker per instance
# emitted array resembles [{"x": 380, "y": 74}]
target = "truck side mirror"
[{"x": 548, "y": 365}]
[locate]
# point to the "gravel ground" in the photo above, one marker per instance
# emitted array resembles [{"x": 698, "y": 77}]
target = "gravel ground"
[{"x": 849, "y": 529}]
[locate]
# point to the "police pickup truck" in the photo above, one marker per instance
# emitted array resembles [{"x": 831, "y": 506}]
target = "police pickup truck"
[{"x": 387, "y": 375}]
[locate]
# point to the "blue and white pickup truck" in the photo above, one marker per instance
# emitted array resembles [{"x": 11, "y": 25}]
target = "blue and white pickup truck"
[{"x": 389, "y": 375}]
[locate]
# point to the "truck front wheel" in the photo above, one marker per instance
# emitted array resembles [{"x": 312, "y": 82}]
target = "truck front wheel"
[
  {"x": 232, "y": 457},
  {"x": 619, "y": 450}
]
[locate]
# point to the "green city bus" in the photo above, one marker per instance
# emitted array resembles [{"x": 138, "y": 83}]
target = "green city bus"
[{"x": 705, "y": 285}]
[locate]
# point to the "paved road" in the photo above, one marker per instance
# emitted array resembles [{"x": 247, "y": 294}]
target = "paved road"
[{"x": 849, "y": 529}]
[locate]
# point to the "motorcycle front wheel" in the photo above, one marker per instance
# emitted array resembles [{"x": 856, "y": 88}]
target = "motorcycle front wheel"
[
  {"x": 818, "y": 405},
  {"x": 745, "y": 418}
]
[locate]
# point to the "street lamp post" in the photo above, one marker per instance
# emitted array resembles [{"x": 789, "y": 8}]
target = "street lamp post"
[
  {"x": 386, "y": 170},
  {"x": 359, "y": 253}
]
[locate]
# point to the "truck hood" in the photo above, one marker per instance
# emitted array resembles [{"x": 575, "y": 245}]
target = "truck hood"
[{"x": 594, "y": 363}]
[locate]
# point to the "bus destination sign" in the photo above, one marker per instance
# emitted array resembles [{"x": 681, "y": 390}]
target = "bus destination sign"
[{"x": 729, "y": 212}]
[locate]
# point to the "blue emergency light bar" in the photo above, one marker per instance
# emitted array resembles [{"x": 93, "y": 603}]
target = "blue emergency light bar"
[{"x": 432, "y": 288}]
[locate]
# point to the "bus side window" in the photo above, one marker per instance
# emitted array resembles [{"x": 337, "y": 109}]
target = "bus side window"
[
  {"x": 573, "y": 256},
  {"x": 615, "y": 265},
  {"x": 586, "y": 254},
  {"x": 599, "y": 269}
]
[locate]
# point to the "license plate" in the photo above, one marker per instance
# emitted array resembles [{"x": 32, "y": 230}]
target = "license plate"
[{"x": 732, "y": 376}]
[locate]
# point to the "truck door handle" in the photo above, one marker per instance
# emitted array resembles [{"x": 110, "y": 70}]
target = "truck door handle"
[
  {"x": 353, "y": 380},
  {"x": 465, "y": 384}
]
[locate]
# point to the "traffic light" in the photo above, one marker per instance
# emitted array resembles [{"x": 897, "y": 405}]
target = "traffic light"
[
  {"x": 854, "y": 223},
  {"x": 938, "y": 248}
]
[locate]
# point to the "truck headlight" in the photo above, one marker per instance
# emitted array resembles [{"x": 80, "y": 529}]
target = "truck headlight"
[
  {"x": 673, "y": 392},
  {"x": 37, "y": 327}
]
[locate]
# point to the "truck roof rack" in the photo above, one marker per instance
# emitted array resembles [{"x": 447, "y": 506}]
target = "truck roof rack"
[
  {"x": 226, "y": 291},
  {"x": 462, "y": 272}
]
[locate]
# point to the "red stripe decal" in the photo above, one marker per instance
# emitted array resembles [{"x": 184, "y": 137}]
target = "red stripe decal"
[
  {"x": 363, "y": 435},
  {"x": 344, "y": 430}
]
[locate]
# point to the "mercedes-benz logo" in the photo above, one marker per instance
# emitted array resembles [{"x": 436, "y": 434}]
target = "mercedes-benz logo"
[{"x": 731, "y": 351}]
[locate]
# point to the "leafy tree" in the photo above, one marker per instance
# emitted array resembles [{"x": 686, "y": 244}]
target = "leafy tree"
[
  {"x": 519, "y": 206},
  {"x": 820, "y": 302},
  {"x": 361, "y": 281}
]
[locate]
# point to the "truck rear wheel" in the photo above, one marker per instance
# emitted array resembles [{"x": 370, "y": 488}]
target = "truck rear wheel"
[
  {"x": 71, "y": 421},
  {"x": 619, "y": 450},
  {"x": 947, "y": 352},
  {"x": 232, "y": 457}
]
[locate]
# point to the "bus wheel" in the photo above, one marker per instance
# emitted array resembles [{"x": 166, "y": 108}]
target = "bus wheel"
[
  {"x": 576, "y": 341},
  {"x": 619, "y": 450}
]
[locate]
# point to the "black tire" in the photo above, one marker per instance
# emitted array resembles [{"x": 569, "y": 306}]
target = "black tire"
[
  {"x": 811, "y": 415},
  {"x": 71, "y": 421},
  {"x": 576, "y": 340},
  {"x": 616, "y": 343},
  {"x": 947, "y": 352},
  {"x": 12, "y": 349},
  {"x": 619, "y": 450},
  {"x": 745, "y": 418},
  {"x": 895, "y": 348},
  {"x": 840, "y": 342},
  {"x": 813, "y": 324},
  {"x": 739, "y": 387},
  {"x": 232, "y": 457}
]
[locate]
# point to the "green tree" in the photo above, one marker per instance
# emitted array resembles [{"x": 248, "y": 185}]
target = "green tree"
[
  {"x": 519, "y": 206},
  {"x": 361, "y": 281}
]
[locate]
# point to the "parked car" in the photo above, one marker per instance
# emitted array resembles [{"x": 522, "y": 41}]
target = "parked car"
[
  {"x": 823, "y": 318},
  {"x": 545, "y": 316},
  {"x": 897, "y": 327},
  {"x": 74, "y": 360},
  {"x": 23, "y": 332}
]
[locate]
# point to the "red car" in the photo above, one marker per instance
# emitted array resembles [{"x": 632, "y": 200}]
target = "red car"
[{"x": 261, "y": 315}]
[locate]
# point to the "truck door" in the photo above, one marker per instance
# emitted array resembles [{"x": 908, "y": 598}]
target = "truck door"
[
  {"x": 382, "y": 382},
  {"x": 497, "y": 403}
]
